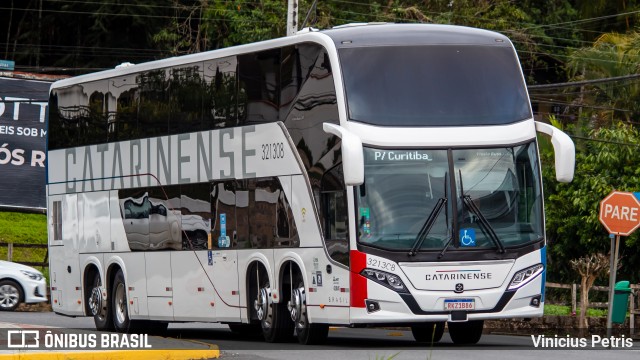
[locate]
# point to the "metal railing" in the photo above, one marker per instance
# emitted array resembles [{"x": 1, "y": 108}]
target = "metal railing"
[
  {"x": 634, "y": 299},
  {"x": 12, "y": 246}
]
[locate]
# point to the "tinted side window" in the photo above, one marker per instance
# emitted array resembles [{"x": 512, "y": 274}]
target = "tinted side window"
[
  {"x": 151, "y": 218},
  {"x": 263, "y": 214},
  {"x": 221, "y": 103},
  {"x": 187, "y": 93},
  {"x": 135, "y": 208},
  {"x": 79, "y": 115},
  {"x": 259, "y": 87},
  {"x": 154, "y": 108},
  {"x": 309, "y": 100},
  {"x": 196, "y": 215},
  {"x": 286, "y": 232},
  {"x": 333, "y": 199},
  {"x": 63, "y": 125},
  {"x": 263, "y": 201},
  {"x": 56, "y": 217},
  {"x": 271, "y": 221},
  {"x": 124, "y": 119},
  {"x": 224, "y": 225},
  {"x": 94, "y": 115}
]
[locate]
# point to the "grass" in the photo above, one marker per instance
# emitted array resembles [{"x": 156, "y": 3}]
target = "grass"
[
  {"x": 23, "y": 228},
  {"x": 565, "y": 310},
  {"x": 20, "y": 228}
]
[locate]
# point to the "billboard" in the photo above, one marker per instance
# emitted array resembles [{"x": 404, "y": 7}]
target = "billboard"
[{"x": 23, "y": 131}]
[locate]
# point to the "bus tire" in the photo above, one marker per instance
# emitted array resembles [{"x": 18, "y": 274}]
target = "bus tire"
[
  {"x": 274, "y": 319},
  {"x": 306, "y": 332},
  {"x": 466, "y": 333},
  {"x": 99, "y": 307},
  {"x": 121, "y": 321},
  {"x": 429, "y": 333}
]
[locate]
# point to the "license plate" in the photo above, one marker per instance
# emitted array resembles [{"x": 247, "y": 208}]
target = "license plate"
[{"x": 459, "y": 304}]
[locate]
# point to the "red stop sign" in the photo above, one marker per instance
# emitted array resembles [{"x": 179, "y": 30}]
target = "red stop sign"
[{"x": 620, "y": 213}]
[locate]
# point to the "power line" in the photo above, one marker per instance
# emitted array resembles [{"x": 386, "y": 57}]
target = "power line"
[
  {"x": 567, "y": 104},
  {"x": 584, "y": 82},
  {"x": 603, "y": 141},
  {"x": 582, "y": 21}
]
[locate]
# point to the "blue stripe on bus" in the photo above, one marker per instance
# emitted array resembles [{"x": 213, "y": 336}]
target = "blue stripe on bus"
[{"x": 543, "y": 260}]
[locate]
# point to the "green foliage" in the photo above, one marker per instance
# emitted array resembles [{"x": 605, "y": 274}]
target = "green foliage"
[
  {"x": 565, "y": 310},
  {"x": 90, "y": 35},
  {"x": 606, "y": 163},
  {"x": 611, "y": 55},
  {"x": 23, "y": 228}
]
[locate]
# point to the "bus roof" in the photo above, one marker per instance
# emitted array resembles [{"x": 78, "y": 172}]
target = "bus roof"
[
  {"x": 353, "y": 35},
  {"x": 412, "y": 34}
]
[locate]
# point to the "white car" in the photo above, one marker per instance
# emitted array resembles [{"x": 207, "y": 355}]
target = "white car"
[{"x": 20, "y": 284}]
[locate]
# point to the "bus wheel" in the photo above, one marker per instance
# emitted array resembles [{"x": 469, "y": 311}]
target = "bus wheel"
[
  {"x": 465, "y": 333},
  {"x": 99, "y": 307},
  {"x": 306, "y": 332},
  {"x": 428, "y": 332},
  {"x": 274, "y": 320},
  {"x": 119, "y": 305}
]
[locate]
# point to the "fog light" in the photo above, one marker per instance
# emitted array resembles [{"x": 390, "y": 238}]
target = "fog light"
[
  {"x": 372, "y": 306},
  {"x": 535, "y": 301}
]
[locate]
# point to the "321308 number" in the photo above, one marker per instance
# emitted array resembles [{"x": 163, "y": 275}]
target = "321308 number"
[{"x": 272, "y": 151}]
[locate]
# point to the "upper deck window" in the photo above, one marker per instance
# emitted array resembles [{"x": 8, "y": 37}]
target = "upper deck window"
[{"x": 434, "y": 85}]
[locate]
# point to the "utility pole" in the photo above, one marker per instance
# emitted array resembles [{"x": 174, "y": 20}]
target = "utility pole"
[{"x": 292, "y": 17}]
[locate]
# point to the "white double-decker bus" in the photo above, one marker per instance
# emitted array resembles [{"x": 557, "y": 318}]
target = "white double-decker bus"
[{"x": 363, "y": 175}]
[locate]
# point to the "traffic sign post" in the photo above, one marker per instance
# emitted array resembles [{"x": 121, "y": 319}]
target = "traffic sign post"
[{"x": 620, "y": 215}]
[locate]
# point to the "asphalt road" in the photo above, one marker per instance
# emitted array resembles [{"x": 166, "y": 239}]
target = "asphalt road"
[{"x": 345, "y": 343}]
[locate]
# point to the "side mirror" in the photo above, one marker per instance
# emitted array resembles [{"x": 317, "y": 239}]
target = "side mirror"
[
  {"x": 564, "y": 149},
  {"x": 352, "y": 154}
]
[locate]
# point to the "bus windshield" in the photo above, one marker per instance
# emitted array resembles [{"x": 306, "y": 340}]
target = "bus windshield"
[
  {"x": 496, "y": 195},
  {"x": 434, "y": 85}
]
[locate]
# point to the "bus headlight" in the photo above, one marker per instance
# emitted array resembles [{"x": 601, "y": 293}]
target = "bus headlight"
[
  {"x": 384, "y": 278},
  {"x": 524, "y": 276}
]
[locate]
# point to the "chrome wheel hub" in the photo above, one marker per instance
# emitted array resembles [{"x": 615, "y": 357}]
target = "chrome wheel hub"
[
  {"x": 296, "y": 304},
  {"x": 298, "y": 308},
  {"x": 9, "y": 296},
  {"x": 262, "y": 303},
  {"x": 120, "y": 304},
  {"x": 95, "y": 301}
]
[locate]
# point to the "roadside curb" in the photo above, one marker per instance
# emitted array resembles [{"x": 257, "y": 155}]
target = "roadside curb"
[
  {"x": 174, "y": 349},
  {"x": 116, "y": 354}
]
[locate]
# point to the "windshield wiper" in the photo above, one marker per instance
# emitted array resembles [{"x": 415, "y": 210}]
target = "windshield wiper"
[
  {"x": 426, "y": 227},
  {"x": 484, "y": 223},
  {"x": 446, "y": 246}
]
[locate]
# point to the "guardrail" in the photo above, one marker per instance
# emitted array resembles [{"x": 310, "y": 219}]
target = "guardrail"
[{"x": 11, "y": 246}]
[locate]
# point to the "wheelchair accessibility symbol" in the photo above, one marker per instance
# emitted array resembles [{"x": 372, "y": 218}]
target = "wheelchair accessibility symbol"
[{"x": 467, "y": 237}]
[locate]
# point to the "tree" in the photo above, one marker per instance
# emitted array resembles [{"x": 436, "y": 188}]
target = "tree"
[
  {"x": 611, "y": 55},
  {"x": 606, "y": 159},
  {"x": 589, "y": 267}
]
